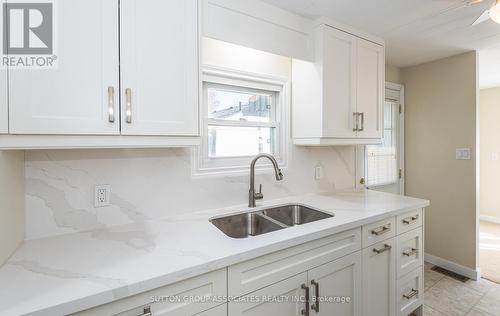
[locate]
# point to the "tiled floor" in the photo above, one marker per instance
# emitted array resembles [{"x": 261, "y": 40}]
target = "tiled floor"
[{"x": 445, "y": 296}]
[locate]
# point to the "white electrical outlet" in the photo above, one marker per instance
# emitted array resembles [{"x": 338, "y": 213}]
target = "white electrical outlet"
[{"x": 101, "y": 195}]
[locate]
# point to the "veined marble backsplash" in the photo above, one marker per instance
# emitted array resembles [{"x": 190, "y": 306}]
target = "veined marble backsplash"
[{"x": 155, "y": 183}]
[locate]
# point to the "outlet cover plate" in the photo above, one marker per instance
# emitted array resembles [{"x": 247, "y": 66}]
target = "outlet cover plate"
[{"x": 102, "y": 194}]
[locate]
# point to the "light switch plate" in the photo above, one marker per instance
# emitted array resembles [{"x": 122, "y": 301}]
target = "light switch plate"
[{"x": 462, "y": 154}]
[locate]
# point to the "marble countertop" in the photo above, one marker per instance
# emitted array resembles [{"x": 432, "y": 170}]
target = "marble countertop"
[{"x": 73, "y": 272}]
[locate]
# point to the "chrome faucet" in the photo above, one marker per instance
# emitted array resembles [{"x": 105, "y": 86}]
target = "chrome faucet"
[{"x": 252, "y": 196}]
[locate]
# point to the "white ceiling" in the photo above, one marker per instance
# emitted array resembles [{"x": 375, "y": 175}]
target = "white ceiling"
[{"x": 416, "y": 31}]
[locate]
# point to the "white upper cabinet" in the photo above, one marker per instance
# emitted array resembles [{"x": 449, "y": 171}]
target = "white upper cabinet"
[
  {"x": 338, "y": 98},
  {"x": 370, "y": 88},
  {"x": 4, "y": 112},
  {"x": 77, "y": 96},
  {"x": 339, "y": 73},
  {"x": 159, "y": 67}
]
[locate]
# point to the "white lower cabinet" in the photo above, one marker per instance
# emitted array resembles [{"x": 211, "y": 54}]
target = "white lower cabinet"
[
  {"x": 379, "y": 279},
  {"x": 336, "y": 287},
  {"x": 289, "y": 294},
  {"x": 220, "y": 310},
  {"x": 370, "y": 270},
  {"x": 170, "y": 300}
]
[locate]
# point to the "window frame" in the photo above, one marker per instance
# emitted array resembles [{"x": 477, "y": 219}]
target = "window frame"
[{"x": 203, "y": 164}]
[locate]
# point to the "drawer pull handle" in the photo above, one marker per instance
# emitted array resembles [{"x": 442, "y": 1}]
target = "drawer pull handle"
[
  {"x": 410, "y": 252},
  {"x": 147, "y": 311},
  {"x": 315, "y": 305},
  {"x": 381, "y": 230},
  {"x": 383, "y": 249},
  {"x": 409, "y": 220},
  {"x": 305, "y": 311},
  {"x": 411, "y": 294}
]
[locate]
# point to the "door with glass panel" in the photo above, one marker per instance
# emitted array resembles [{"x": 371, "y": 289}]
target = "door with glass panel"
[{"x": 381, "y": 167}]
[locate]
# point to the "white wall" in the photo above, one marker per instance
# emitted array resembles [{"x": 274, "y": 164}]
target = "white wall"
[
  {"x": 12, "y": 221},
  {"x": 157, "y": 183}
]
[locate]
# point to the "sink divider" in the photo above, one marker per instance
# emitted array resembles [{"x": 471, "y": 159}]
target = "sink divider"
[{"x": 273, "y": 220}]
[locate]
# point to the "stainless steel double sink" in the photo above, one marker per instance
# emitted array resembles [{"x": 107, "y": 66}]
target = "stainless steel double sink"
[{"x": 267, "y": 220}]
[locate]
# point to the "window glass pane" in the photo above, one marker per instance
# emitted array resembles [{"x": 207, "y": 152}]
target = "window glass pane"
[
  {"x": 230, "y": 141},
  {"x": 239, "y": 105},
  {"x": 381, "y": 160}
]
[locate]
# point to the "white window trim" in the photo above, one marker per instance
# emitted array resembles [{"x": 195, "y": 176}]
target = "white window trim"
[{"x": 202, "y": 165}]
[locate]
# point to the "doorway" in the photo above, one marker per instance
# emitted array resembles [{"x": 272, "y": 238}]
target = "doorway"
[
  {"x": 381, "y": 167},
  {"x": 489, "y": 171}
]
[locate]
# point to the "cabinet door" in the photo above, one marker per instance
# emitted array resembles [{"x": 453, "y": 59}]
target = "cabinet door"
[
  {"x": 255, "y": 304},
  {"x": 379, "y": 279},
  {"x": 74, "y": 97},
  {"x": 216, "y": 311},
  {"x": 339, "y": 86},
  {"x": 159, "y": 67},
  {"x": 4, "y": 112},
  {"x": 339, "y": 285},
  {"x": 370, "y": 88}
]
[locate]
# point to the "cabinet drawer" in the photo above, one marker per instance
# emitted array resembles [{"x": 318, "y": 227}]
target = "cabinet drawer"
[
  {"x": 409, "y": 221},
  {"x": 207, "y": 285},
  {"x": 257, "y": 273},
  {"x": 409, "y": 294},
  {"x": 409, "y": 251},
  {"x": 378, "y": 231}
]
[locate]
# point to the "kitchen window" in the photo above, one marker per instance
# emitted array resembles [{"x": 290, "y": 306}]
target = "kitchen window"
[{"x": 242, "y": 116}]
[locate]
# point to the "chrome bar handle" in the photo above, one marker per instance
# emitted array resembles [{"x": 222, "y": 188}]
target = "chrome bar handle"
[
  {"x": 356, "y": 126},
  {"x": 147, "y": 311},
  {"x": 111, "y": 104},
  {"x": 410, "y": 252},
  {"x": 315, "y": 305},
  {"x": 411, "y": 294},
  {"x": 128, "y": 106},
  {"x": 305, "y": 311},
  {"x": 409, "y": 220},
  {"x": 383, "y": 249},
  {"x": 362, "y": 115},
  {"x": 381, "y": 230}
]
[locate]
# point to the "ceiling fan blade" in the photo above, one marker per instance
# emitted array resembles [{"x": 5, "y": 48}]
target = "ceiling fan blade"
[{"x": 483, "y": 18}]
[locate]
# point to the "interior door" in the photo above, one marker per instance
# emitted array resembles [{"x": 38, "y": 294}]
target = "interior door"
[
  {"x": 77, "y": 97},
  {"x": 340, "y": 282},
  {"x": 4, "y": 112},
  {"x": 379, "y": 279},
  {"x": 339, "y": 71},
  {"x": 159, "y": 67},
  {"x": 370, "y": 88},
  {"x": 287, "y": 290}
]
